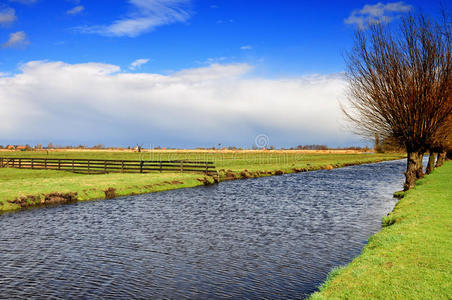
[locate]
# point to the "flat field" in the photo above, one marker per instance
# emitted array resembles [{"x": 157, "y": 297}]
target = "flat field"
[
  {"x": 252, "y": 160},
  {"x": 20, "y": 183}
]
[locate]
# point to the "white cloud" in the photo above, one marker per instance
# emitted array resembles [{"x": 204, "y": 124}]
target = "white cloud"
[
  {"x": 7, "y": 16},
  {"x": 138, "y": 63},
  {"x": 213, "y": 60},
  {"x": 16, "y": 40},
  {"x": 145, "y": 16},
  {"x": 83, "y": 103},
  {"x": 246, "y": 47},
  {"x": 378, "y": 13},
  {"x": 76, "y": 10}
]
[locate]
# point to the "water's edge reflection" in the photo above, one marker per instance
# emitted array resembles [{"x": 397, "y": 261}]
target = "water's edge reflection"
[{"x": 274, "y": 237}]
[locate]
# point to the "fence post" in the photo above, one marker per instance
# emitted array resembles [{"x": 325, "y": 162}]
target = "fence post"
[
  {"x": 72, "y": 165},
  {"x": 59, "y": 164},
  {"x": 88, "y": 168},
  {"x": 20, "y": 163},
  {"x": 207, "y": 168},
  {"x": 45, "y": 163},
  {"x": 32, "y": 163},
  {"x": 182, "y": 166},
  {"x": 161, "y": 167},
  {"x": 141, "y": 167},
  {"x": 122, "y": 166},
  {"x": 105, "y": 166}
]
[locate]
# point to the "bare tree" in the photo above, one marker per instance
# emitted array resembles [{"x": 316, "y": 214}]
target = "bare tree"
[
  {"x": 443, "y": 143},
  {"x": 399, "y": 85}
]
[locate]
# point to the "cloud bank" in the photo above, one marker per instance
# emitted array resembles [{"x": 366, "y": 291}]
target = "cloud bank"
[
  {"x": 98, "y": 103},
  {"x": 144, "y": 16},
  {"x": 378, "y": 13}
]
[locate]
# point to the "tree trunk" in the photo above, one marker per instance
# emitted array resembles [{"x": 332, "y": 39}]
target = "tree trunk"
[
  {"x": 431, "y": 163},
  {"x": 412, "y": 170},
  {"x": 420, "y": 166},
  {"x": 441, "y": 158}
]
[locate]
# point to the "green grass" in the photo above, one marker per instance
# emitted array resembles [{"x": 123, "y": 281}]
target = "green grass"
[
  {"x": 16, "y": 183},
  {"x": 235, "y": 161},
  {"x": 410, "y": 258}
]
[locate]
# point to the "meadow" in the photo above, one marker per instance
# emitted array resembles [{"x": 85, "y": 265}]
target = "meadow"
[{"x": 30, "y": 187}]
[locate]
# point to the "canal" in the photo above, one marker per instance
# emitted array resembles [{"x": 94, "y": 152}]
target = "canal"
[{"x": 273, "y": 237}]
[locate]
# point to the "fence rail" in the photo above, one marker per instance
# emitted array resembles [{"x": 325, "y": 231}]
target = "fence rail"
[{"x": 99, "y": 166}]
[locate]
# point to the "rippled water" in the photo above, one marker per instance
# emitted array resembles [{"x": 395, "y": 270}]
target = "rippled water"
[{"x": 274, "y": 237}]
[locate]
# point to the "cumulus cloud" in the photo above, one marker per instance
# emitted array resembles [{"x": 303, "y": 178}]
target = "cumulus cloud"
[
  {"x": 16, "y": 40},
  {"x": 7, "y": 16},
  {"x": 99, "y": 103},
  {"x": 378, "y": 13},
  {"x": 138, "y": 63},
  {"x": 76, "y": 10},
  {"x": 145, "y": 16}
]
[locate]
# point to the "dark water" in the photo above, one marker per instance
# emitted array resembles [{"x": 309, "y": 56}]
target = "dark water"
[{"x": 274, "y": 237}]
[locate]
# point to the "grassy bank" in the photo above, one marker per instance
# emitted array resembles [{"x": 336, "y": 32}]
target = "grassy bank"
[
  {"x": 411, "y": 257},
  {"x": 17, "y": 183},
  {"x": 19, "y": 188}
]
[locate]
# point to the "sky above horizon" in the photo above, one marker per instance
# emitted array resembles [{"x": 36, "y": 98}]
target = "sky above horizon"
[{"x": 179, "y": 73}]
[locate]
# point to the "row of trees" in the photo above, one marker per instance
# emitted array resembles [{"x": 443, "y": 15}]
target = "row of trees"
[{"x": 400, "y": 87}]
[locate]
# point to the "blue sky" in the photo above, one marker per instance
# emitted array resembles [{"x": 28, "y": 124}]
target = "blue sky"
[{"x": 258, "y": 42}]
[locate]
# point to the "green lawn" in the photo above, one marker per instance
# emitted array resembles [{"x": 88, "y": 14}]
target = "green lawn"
[
  {"x": 410, "y": 259},
  {"x": 16, "y": 183}
]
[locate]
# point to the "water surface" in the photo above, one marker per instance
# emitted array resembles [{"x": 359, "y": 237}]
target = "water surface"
[{"x": 273, "y": 237}]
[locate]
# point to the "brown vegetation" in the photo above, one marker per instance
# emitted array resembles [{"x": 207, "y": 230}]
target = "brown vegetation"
[
  {"x": 52, "y": 198},
  {"x": 110, "y": 193}
]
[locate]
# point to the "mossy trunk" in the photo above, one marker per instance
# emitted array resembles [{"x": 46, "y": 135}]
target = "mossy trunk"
[
  {"x": 431, "y": 163},
  {"x": 413, "y": 169},
  {"x": 441, "y": 158}
]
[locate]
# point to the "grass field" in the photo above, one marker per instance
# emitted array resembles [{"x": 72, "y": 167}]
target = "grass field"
[
  {"x": 410, "y": 258},
  {"x": 233, "y": 160},
  {"x": 16, "y": 183}
]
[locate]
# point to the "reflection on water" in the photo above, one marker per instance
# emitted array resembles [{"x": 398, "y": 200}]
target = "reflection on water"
[{"x": 274, "y": 237}]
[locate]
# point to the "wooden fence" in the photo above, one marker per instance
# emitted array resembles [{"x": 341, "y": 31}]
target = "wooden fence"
[{"x": 99, "y": 166}]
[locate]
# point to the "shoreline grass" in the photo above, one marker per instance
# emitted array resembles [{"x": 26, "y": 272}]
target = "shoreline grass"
[
  {"x": 35, "y": 184},
  {"x": 411, "y": 257}
]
